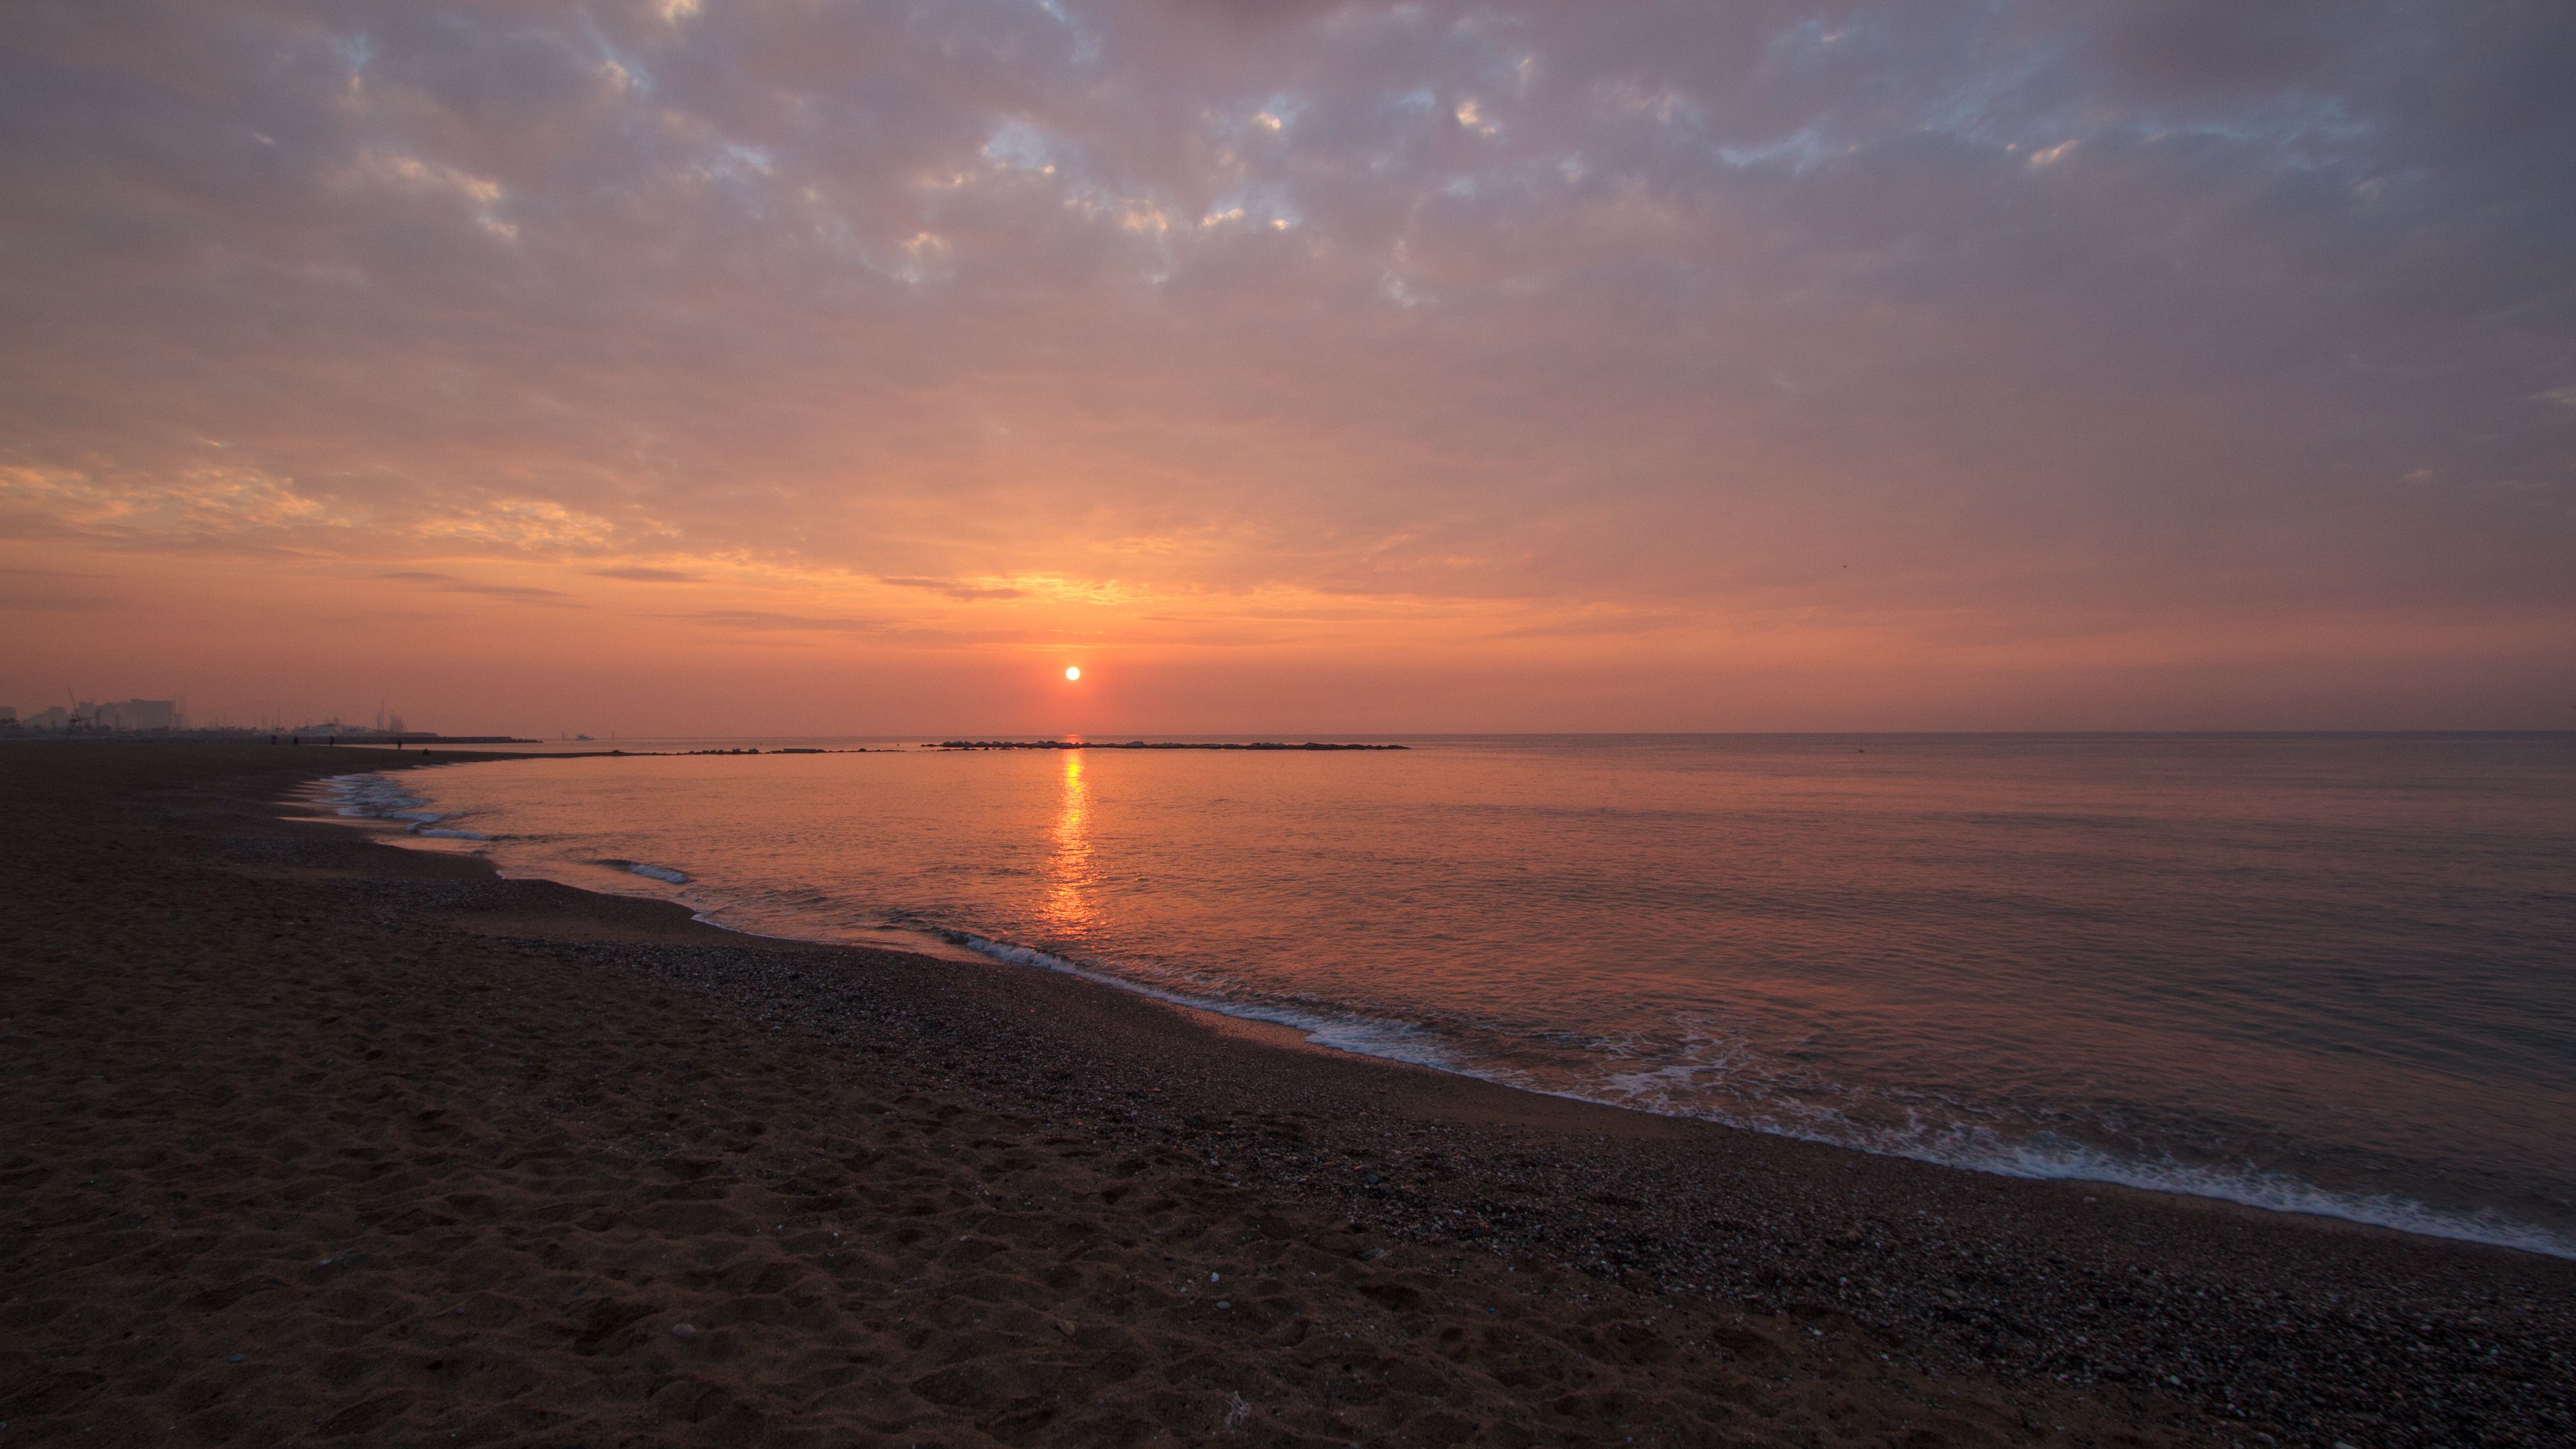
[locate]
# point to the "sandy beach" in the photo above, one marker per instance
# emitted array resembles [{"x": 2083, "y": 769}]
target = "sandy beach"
[{"x": 313, "y": 1139}]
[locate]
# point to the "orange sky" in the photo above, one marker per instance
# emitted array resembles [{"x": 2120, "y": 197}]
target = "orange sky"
[{"x": 678, "y": 368}]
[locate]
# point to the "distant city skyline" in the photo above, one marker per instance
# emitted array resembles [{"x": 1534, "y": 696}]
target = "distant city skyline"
[
  {"x": 121, "y": 714},
  {"x": 173, "y": 714},
  {"x": 751, "y": 367}
]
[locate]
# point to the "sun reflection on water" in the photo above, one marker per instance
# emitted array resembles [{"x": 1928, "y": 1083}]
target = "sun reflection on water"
[{"x": 1068, "y": 910}]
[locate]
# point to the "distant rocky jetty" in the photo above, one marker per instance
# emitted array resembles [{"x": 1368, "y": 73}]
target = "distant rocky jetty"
[
  {"x": 774, "y": 750},
  {"x": 1141, "y": 745}
]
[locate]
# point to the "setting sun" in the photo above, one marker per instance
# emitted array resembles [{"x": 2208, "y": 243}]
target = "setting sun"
[{"x": 1072, "y": 672}]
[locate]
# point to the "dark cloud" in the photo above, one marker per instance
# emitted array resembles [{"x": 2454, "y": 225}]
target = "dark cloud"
[
  {"x": 450, "y": 584},
  {"x": 759, "y": 622}
]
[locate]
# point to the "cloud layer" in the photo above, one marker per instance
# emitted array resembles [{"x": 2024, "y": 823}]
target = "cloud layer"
[{"x": 1600, "y": 344}]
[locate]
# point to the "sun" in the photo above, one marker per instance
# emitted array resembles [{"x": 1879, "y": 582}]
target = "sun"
[{"x": 1072, "y": 672}]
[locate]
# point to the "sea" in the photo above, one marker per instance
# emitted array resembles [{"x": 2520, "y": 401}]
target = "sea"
[{"x": 2328, "y": 974}]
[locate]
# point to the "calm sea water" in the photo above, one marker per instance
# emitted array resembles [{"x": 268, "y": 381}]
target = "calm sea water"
[{"x": 2331, "y": 974}]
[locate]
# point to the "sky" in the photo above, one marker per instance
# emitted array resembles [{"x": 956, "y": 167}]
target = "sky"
[{"x": 808, "y": 367}]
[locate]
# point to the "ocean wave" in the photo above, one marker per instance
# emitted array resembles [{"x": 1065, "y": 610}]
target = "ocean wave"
[
  {"x": 1918, "y": 1136},
  {"x": 1781, "y": 1104},
  {"x": 2252, "y": 1187},
  {"x": 371, "y": 797},
  {"x": 381, "y": 797},
  {"x": 1360, "y": 1035},
  {"x": 649, "y": 871}
]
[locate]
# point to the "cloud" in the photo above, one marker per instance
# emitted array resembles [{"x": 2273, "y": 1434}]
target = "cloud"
[
  {"x": 450, "y": 584},
  {"x": 2100, "y": 311},
  {"x": 957, "y": 590},
  {"x": 192, "y": 503},
  {"x": 758, "y": 622},
  {"x": 519, "y": 524}
]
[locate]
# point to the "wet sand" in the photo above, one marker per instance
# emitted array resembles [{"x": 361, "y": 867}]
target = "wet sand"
[{"x": 309, "y": 1139}]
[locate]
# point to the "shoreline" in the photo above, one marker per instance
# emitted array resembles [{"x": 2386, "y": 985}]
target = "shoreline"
[
  {"x": 1606, "y": 1119},
  {"x": 1324, "y": 1029},
  {"x": 284, "y": 1008}
]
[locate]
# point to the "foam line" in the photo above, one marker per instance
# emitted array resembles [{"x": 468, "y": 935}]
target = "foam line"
[{"x": 1954, "y": 1145}]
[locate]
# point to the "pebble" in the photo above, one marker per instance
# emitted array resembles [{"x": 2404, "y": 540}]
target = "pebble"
[{"x": 683, "y": 1330}]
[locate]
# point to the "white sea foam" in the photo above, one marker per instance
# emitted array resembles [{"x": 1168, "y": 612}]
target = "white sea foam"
[
  {"x": 1921, "y": 1137},
  {"x": 1724, "y": 1080},
  {"x": 657, "y": 872},
  {"x": 2251, "y": 1186},
  {"x": 1687, "y": 1089},
  {"x": 1351, "y": 1032},
  {"x": 371, "y": 796},
  {"x": 382, "y": 797}
]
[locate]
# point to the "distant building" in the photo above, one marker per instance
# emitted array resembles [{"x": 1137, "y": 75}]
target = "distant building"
[
  {"x": 122, "y": 714},
  {"x": 135, "y": 714}
]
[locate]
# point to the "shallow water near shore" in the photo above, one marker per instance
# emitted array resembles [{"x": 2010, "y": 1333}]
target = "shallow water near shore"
[{"x": 2325, "y": 974}]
